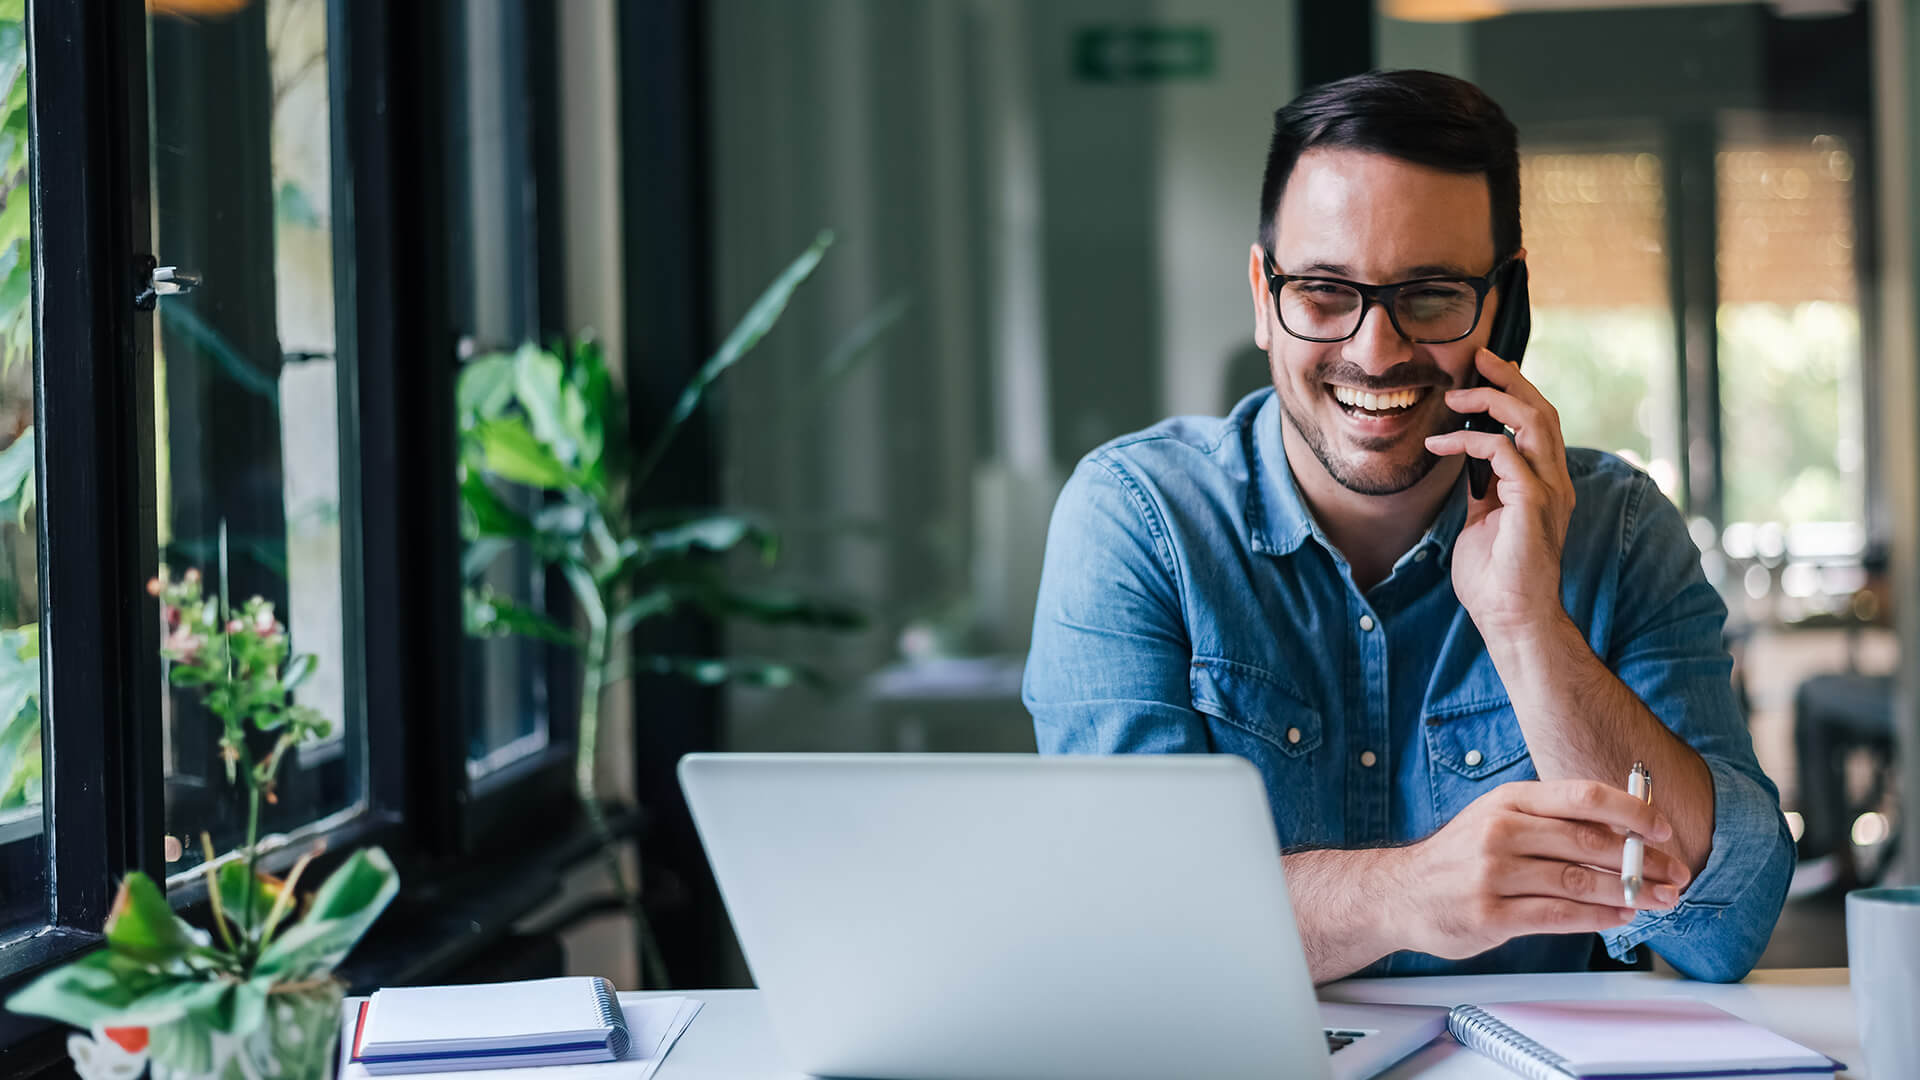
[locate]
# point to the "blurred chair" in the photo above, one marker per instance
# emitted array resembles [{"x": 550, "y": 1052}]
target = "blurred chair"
[{"x": 1835, "y": 715}]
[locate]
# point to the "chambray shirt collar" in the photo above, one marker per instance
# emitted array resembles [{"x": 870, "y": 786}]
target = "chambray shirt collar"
[{"x": 1278, "y": 520}]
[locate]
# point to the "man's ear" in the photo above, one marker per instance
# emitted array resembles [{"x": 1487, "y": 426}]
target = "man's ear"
[{"x": 1262, "y": 312}]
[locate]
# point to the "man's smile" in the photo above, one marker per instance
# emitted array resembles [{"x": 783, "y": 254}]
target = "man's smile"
[{"x": 1377, "y": 413}]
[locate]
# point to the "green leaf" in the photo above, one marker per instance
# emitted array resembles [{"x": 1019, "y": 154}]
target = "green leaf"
[
  {"x": 298, "y": 670},
  {"x": 586, "y": 592},
  {"x": 511, "y": 452},
  {"x": 651, "y": 604},
  {"x": 341, "y": 913},
  {"x": 717, "y": 532},
  {"x": 488, "y": 514},
  {"x": 238, "y": 1008},
  {"x": 536, "y": 383},
  {"x": 604, "y": 422},
  {"x": 759, "y": 319},
  {"x": 106, "y": 987},
  {"x": 143, "y": 926},
  {"x": 485, "y": 388},
  {"x": 858, "y": 345},
  {"x": 480, "y": 554},
  {"x": 489, "y": 614},
  {"x": 232, "y": 878},
  {"x": 187, "y": 675},
  {"x": 712, "y": 672}
]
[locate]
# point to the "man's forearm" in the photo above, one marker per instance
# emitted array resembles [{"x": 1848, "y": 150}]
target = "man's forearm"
[
  {"x": 1582, "y": 722},
  {"x": 1336, "y": 902}
]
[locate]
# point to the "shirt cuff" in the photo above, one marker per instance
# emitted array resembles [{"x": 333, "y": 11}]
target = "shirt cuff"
[{"x": 1745, "y": 870}]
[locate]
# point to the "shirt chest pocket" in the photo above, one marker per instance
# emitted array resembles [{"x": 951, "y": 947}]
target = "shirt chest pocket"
[
  {"x": 1471, "y": 750},
  {"x": 1254, "y": 714}
]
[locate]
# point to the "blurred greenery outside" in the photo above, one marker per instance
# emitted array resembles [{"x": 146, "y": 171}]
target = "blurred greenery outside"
[
  {"x": 1789, "y": 410},
  {"x": 20, "y": 754}
]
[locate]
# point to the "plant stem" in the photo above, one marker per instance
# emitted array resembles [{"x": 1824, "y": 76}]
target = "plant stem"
[
  {"x": 593, "y": 678},
  {"x": 253, "y": 859}
]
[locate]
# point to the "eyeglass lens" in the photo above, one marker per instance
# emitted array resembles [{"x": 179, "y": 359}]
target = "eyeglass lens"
[{"x": 1429, "y": 311}]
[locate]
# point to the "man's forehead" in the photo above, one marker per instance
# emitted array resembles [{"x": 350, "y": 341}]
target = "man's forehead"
[{"x": 1350, "y": 213}]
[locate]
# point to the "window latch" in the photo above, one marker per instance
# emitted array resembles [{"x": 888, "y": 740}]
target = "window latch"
[{"x": 156, "y": 281}]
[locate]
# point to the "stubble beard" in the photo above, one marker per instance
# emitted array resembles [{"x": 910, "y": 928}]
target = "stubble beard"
[{"x": 1368, "y": 475}]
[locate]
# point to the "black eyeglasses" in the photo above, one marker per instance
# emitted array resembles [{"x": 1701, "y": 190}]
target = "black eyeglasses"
[{"x": 1426, "y": 311}]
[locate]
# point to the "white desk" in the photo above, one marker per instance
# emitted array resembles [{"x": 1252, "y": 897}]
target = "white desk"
[{"x": 731, "y": 1039}]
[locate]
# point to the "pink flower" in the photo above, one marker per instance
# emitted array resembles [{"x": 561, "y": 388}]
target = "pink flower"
[
  {"x": 235, "y": 626},
  {"x": 182, "y": 643},
  {"x": 263, "y": 620}
]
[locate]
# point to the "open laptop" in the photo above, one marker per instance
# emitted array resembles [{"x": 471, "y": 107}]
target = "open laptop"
[{"x": 964, "y": 917}]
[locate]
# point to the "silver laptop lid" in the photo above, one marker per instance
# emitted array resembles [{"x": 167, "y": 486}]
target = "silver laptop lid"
[{"x": 1000, "y": 916}]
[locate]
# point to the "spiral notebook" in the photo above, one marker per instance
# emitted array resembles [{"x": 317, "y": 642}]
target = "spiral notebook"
[
  {"x": 423, "y": 1029},
  {"x": 1645, "y": 1039}
]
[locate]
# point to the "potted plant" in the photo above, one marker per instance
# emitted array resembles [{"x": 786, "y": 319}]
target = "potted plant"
[
  {"x": 256, "y": 996},
  {"x": 554, "y": 421}
]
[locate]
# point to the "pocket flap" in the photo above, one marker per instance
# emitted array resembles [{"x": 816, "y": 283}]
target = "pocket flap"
[
  {"x": 1476, "y": 740},
  {"x": 1255, "y": 701}
]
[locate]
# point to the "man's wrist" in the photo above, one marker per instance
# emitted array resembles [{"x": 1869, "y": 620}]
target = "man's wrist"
[{"x": 1527, "y": 637}]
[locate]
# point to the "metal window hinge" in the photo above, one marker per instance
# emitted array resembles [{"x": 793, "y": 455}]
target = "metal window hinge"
[{"x": 154, "y": 281}]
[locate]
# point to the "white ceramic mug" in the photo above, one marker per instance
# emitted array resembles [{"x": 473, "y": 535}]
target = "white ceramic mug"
[{"x": 1883, "y": 963}]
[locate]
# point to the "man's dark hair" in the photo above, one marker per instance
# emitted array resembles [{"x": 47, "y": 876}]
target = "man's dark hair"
[{"x": 1419, "y": 116}]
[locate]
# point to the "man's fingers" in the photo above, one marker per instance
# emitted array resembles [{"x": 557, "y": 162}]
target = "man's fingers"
[
  {"x": 1588, "y": 800},
  {"x": 1547, "y": 915},
  {"x": 1505, "y": 376},
  {"x": 1584, "y": 884},
  {"x": 1508, "y": 462},
  {"x": 1595, "y": 845},
  {"x": 1532, "y": 430}
]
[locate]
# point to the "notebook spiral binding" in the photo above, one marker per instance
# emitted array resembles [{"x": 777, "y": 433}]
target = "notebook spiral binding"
[
  {"x": 1478, "y": 1030},
  {"x": 617, "y": 1038}
]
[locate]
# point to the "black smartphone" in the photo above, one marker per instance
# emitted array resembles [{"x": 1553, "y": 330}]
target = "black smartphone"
[{"x": 1512, "y": 324}]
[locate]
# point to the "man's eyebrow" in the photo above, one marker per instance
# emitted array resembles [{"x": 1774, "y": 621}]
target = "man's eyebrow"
[{"x": 1424, "y": 270}]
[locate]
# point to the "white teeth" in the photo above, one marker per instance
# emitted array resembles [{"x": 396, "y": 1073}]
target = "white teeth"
[{"x": 1398, "y": 399}]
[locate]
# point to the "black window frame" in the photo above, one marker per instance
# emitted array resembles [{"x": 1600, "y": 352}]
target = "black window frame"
[{"x": 475, "y": 857}]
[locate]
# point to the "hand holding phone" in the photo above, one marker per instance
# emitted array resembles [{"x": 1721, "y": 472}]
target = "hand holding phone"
[{"x": 1512, "y": 324}]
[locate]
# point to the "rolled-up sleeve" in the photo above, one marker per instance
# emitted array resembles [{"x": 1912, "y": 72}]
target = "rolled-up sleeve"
[
  {"x": 1668, "y": 648},
  {"x": 1107, "y": 672}
]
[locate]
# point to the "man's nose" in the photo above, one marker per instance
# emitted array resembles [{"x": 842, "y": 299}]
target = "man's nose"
[{"x": 1377, "y": 346}]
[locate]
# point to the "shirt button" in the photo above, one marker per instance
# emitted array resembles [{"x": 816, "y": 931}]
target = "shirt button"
[
  {"x": 1366, "y": 622},
  {"x": 1367, "y": 758},
  {"x": 1420, "y": 555},
  {"x": 1473, "y": 757},
  {"x": 1293, "y": 734}
]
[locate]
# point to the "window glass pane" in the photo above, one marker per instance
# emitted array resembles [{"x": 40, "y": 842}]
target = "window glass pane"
[
  {"x": 1789, "y": 321},
  {"x": 496, "y": 307},
  {"x": 22, "y": 847},
  {"x": 247, "y": 409},
  {"x": 1602, "y": 344}
]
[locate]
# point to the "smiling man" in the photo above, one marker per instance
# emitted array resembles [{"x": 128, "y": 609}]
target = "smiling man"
[{"x": 1445, "y": 694}]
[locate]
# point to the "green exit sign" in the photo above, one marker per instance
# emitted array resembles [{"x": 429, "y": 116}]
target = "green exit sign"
[{"x": 1142, "y": 54}]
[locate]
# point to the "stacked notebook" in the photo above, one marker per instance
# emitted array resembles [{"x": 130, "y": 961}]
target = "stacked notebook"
[
  {"x": 1670, "y": 1038},
  {"x": 574, "y": 1022}
]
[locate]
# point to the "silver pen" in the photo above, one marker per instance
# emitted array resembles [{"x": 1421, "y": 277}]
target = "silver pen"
[{"x": 1633, "y": 856}]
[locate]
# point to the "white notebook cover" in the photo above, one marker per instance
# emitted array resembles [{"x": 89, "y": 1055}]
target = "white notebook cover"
[{"x": 1664, "y": 1037}]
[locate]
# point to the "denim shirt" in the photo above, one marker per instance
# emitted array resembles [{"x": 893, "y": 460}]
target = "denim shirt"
[{"x": 1189, "y": 603}]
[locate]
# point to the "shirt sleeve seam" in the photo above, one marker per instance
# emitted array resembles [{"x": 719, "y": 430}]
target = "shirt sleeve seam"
[{"x": 1149, "y": 514}]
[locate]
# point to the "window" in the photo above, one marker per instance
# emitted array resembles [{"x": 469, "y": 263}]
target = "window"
[
  {"x": 1789, "y": 324},
  {"x": 1602, "y": 347},
  {"x": 246, "y": 401}
]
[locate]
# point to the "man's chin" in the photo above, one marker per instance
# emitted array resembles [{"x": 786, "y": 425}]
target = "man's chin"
[{"x": 1371, "y": 472}]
